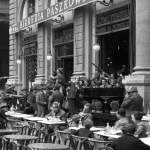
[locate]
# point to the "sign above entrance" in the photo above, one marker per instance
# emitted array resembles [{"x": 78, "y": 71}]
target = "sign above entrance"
[{"x": 47, "y": 14}]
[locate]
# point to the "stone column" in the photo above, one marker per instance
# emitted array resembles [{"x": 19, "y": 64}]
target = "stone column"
[{"x": 141, "y": 76}]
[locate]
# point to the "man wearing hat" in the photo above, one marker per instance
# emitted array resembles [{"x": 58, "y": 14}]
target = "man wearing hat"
[
  {"x": 58, "y": 113},
  {"x": 132, "y": 103}
]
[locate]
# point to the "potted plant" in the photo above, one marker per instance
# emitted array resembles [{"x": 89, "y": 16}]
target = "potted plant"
[
  {"x": 114, "y": 107},
  {"x": 99, "y": 106}
]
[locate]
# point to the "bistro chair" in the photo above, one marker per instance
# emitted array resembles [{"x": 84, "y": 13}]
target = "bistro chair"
[
  {"x": 28, "y": 148},
  {"x": 41, "y": 137},
  {"x": 62, "y": 136},
  {"x": 14, "y": 146},
  {"x": 99, "y": 143},
  {"x": 5, "y": 143},
  {"x": 71, "y": 142},
  {"x": 50, "y": 138},
  {"x": 32, "y": 124},
  {"x": 25, "y": 130},
  {"x": 34, "y": 131},
  {"x": 86, "y": 145},
  {"x": 19, "y": 128},
  {"x": 3, "y": 123},
  {"x": 106, "y": 148}
]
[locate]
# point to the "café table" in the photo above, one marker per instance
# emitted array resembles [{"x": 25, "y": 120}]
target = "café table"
[
  {"x": 113, "y": 134},
  {"x": 51, "y": 122},
  {"x": 21, "y": 139},
  {"x": 7, "y": 131},
  {"x": 94, "y": 129},
  {"x": 48, "y": 146},
  {"x": 34, "y": 118},
  {"x": 146, "y": 140}
]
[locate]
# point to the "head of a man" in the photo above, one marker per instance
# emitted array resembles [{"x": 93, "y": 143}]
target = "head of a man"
[
  {"x": 137, "y": 116},
  {"x": 129, "y": 128},
  {"x": 88, "y": 123},
  {"x": 4, "y": 106},
  {"x": 132, "y": 90},
  {"x": 87, "y": 108},
  {"x": 120, "y": 113},
  {"x": 55, "y": 107}
]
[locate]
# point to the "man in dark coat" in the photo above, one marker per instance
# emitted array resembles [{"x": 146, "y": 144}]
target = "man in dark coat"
[
  {"x": 128, "y": 141},
  {"x": 132, "y": 103},
  {"x": 56, "y": 96}
]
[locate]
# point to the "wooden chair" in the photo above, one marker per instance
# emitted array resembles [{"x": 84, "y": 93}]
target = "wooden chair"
[
  {"x": 62, "y": 136},
  {"x": 34, "y": 131},
  {"x": 86, "y": 145},
  {"x": 106, "y": 148},
  {"x": 32, "y": 124},
  {"x": 14, "y": 146},
  {"x": 99, "y": 143},
  {"x": 18, "y": 127},
  {"x": 50, "y": 138},
  {"x": 5, "y": 143},
  {"x": 25, "y": 130},
  {"x": 28, "y": 148},
  {"x": 41, "y": 137},
  {"x": 72, "y": 143}
]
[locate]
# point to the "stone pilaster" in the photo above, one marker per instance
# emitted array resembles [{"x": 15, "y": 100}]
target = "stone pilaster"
[
  {"x": 40, "y": 79},
  {"x": 141, "y": 76}
]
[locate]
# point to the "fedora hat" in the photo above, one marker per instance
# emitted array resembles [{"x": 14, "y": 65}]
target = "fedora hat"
[
  {"x": 55, "y": 106},
  {"x": 132, "y": 89},
  {"x": 3, "y": 105}
]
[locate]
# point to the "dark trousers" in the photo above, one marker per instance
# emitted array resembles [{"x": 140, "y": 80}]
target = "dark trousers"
[{"x": 72, "y": 106}]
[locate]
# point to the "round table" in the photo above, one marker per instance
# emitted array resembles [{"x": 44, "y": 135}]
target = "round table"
[
  {"x": 48, "y": 146},
  {"x": 21, "y": 137},
  {"x": 7, "y": 131}
]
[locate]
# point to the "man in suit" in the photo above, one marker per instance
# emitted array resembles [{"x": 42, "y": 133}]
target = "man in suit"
[
  {"x": 41, "y": 101},
  {"x": 128, "y": 141},
  {"x": 56, "y": 96},
  {"x": 133, "y": 102}
]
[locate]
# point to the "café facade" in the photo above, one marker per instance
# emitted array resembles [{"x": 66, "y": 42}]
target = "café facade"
[{"x": 49, "y": 34}]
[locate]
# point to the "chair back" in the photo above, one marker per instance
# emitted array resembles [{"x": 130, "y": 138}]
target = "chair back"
[
  {"x": 106, "y": 148},
  {"x": 14, "y": 146},
  {"x": 86, "y": 145},
  {"x": 32, "y": 124},
  {"x": 34, "y": 131},
  {"x": 25, "y": 130},
  {"x": 41, "y": 137},
  {"x": 72, "y": 143},
  {"x": 5, "y": 143},
  {"x": 99, "y": 143},
  {"x": 3, "y": 123},
  {"x": 50, "y": 138},
  {"x": 28, "y": 148},
  {"x": 62, "y": 136}
]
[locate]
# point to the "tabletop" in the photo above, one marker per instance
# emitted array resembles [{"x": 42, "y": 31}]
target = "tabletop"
[
  {"x": 146, "y": 140},
  {"x": 48, "y": 146},
  {"x": 20, "y": 115},
  {"x": 21, "y": 137},
  {"x": 92, "y": 128},
  {"x": 45, "y": 121},
  {"x": 111, "y": 135},
  {"x": 34, "y": 118},
  {"x": 3, "y": 131}
]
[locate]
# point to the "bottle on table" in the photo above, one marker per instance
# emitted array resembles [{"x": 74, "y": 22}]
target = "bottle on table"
[
  {"x": 107, "y": 128},
  {"x": 80, "y": 123}
]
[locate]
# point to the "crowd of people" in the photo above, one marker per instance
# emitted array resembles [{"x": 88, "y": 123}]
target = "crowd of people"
[{"x": 49, "y": 101}]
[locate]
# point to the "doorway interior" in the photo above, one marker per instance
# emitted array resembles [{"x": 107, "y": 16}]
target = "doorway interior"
[{"x": 115, "y": 52}]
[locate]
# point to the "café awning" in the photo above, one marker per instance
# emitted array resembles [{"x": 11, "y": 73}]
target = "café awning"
[{"x": 48, "y": 13}]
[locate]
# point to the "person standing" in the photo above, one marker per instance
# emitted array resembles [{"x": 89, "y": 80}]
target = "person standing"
[
  {"x": 41, "y": 102},
  {"x": 133, "y": 102},
  {"x": 56, "y": 96}
]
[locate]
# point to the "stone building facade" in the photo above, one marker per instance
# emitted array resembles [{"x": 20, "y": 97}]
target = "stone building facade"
[{"x": 121, "y": 29}]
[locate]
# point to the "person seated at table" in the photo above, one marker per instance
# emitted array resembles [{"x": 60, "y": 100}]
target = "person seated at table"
[
  {"x": 3, "y": 118},
  {"x": 141, "y": 127},
  {"x": 104, "y": 84},
  {"x": 123, "y": 120},
  {"x": 28, "y": 109},
  {"x": 85, "y": 114},
  {"x": 85, "y": 132},
  {"x": 56, "y": 112},
  {"x": 128, "y": 141}
]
